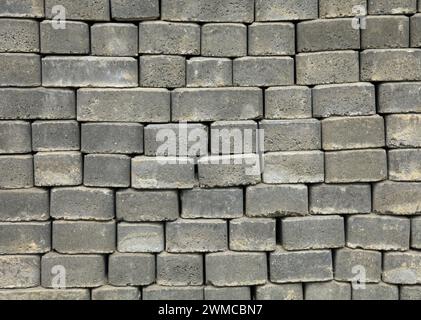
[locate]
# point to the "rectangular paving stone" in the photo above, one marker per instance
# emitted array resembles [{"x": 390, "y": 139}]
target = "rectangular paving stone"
[{"x": 25, "y": 237}]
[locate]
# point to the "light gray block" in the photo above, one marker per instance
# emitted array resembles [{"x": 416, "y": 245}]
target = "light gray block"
[
  {"x": 58, "y": 168},
  {"x": 276, "y": 200},
  {"x": 232, "y": 269},
  {"x": 15, "y": 137},
  {"x": 271, "y": 39},
  {"x": 82, "y": 203},
  {"x": 197, "y": 235},
  {"x": 385, "y": 32},
  {"x": 19, "y": 271},
  {"x": 162, "y": 71},
  {"x": 12, "y": 65},
  {"x": 24, "y": 205},
  {"x": 17, "y": 35},
  {"x": 279, "y": 10},
  {"x": 109, "y": 293},
  {"x": 402, "y": 268},
  {"x": 234, "y": 137},
  {"x": 280, "y": 292},
  {"x": 80, "y": 10},
  {"x": 212, "y": 203},
  {"x": 140, "y": 237},
  {"x": 155, "y": 292},
  {"x": 136, "y": 206},
  {"x": 209, "y": 72},
  {"x": 399, "y": 97},
  {"x": 224, "y": 40},
  {"x": 252, "y": 234},
  {"x": 340, "y": 8},
  {"x": 405, "y": 165},
  {"x": 397, "y": 198},
  {"x": 378, "y": 233},
  {"x": 403, "y": 130},
  {"x": 22, "y": 8},
  {"x": 289, "y": 102},
  {"x": 43, "y": 294},
  {"x": 380, "y": 292},
  {"x": 25, "y": 237},
  {"x": 179, "y": 269},
  {"x": 16, "y": 172},
  {"x": 328, "y": 291},
  {"x": 73, "y": 39},
  {"x": 89, "y": 71},
  {"x": 134, "y": 10},
  {"x": 227, "y": 293},
  {"x": 114, "y": 39},
  {"x": 392, "y": 6},
  {"x": 128, "y": 269}
]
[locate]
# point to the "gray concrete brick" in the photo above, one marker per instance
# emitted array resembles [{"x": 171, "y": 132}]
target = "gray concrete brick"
[
  {"x": 15, "y": 137},
  {"x": 353, "y": 133},
  {"x": 399, "y": 97},
  {"x": 294, "y": 167},
  {"x": 306, "y": 233},
  {"x": 392, "y": 6},
  {"x": 410, "y": 292},
  {"x": 349, "y": 260},
  {"x": 139, "y": 105},
  {"x": 397, "y": 198},
  {"x": 89, "y": 71},
  {"x": 224, "y": 40},
  {"x": 328, "y": 291},
  {"x": 234, "y": 137},
  {"x": 356, "y": 166},
  {"x": 179, "y": 269},
  {"x": 405, "y": 165},
  {"x": 229, "y": 170},
  {"x": 252, "y": 234},
  {"x": 390, "y": 65},
  {"x": 279, "y": 10},
  {"x": 80, "y": 10},
  {"x": 339, "y": 8},
  {"x": 37, "y": 103},
  {"x": 74, "y": 39},
  {"x": 212, "y": 203},
  {"x": 291, "y": 135},
  {"x": 378, "y": 233},
  {"x": 402, "y": 268},
  {"x": 327, "y": 35},
  {"x": 58, "y": 168},
  {"x": 415, "y": 27},
  {"x": 416, "y": 233},
  {"x": 109, "y": 293},
  {"x": 16, "y": 172},
  {"x": 156, "y": 292},
  {"x": 381, "y": 291},
  {"x": 83, "y": 237},
  {"x": 169, "y": 38},
  {"x": 181, "y": 139},
  {"x": 19, "y": 271},
  {"x": 153, "y": 67},
  {"x": 106, "y": 170},
  {"x": 25, "y": 237},
  {"x": 81, "y": 271},
  {"x": 300, "y": 266},
  {"x": 137, "y": 206},
  {"x": 112, "y": 138},
  {"x": 114, "y": 39},
  {"x": 340, "y": 199},
  {"x": 22, "y": 8},
  {"x": 280, "y": 292},
  {"x": 135, "y": 10},
  {"x": 55, "y": 136},
  {"x": 271, "y": 39},
  {"x": 232, "y": 269},
  {"x": 140, "y": 237},
  {"x": 129, "y": 269},
  {"x": 43, "y": 294},
  {"x": 17, "y": 35},
  {"x": 12, "y": 64},
  {"x": 82, "y": 203},
  {"x": 209, "y": 72},
  {"x": 197, "y": 235},
  {"x": 227, "y": 293},
  {"x": 329, "y": 67},
  {"x": 217, "y": 104},
  {"x": 208, "y": 11},
  {"x": 276, "y": 200},
  {"x": 403, "y": 130},
  {"x": 385, "y": 32},
  {"x": 290, "y": 102},
  {"x": 163, "y": 173},
  {"x": 351, "y": 99},
  {"x": 263, "y": 71},
  {"x": 24, "y": 205}
]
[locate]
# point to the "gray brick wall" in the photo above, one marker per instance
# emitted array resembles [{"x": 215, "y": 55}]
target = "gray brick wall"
[{"x": 210, "y": 149}]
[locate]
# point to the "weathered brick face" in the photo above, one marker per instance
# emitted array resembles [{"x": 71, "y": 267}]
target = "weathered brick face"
[{"x": 210, "y": 149}]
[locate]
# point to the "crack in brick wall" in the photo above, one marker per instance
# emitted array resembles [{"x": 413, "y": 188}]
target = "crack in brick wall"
[{"x": 92, "y": 208}]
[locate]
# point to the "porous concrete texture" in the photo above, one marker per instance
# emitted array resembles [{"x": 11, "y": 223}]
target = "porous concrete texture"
[{"x": 210, "y": 149}]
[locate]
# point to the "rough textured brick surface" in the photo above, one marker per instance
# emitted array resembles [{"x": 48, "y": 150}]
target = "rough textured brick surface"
[{"x": 210, "y": 149}]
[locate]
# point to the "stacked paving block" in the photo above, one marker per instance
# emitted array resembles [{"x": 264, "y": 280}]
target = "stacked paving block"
[{"x": 210, "y": 149}]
